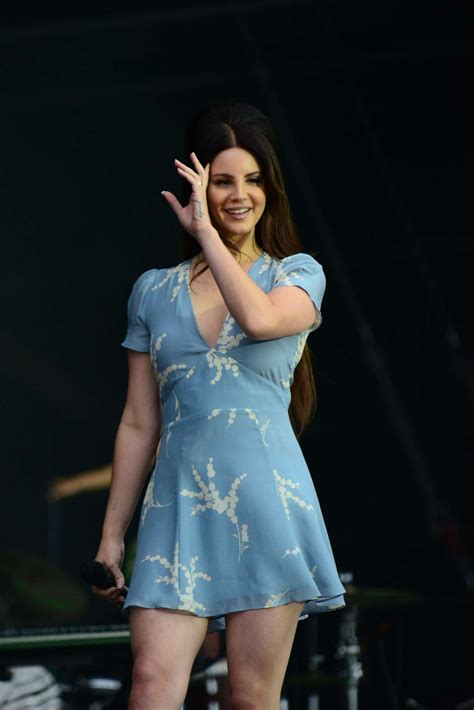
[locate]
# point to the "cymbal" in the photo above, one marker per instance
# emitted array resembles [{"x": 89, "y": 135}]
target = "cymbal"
[
  {"x": 379, "y": 597},
  {"x": 32, "y": 589}
]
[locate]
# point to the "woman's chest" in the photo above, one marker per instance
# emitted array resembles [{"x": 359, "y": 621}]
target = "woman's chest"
[{"x": 207, "y": 307}]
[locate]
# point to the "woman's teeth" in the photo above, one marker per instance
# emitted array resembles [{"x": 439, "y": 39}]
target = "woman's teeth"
[{"x": 238, "y": 212}]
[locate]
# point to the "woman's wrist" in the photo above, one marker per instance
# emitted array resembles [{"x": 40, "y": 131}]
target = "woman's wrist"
[
  {"x": 208, "y": 235},
  {"x": 113, "y": 536}
]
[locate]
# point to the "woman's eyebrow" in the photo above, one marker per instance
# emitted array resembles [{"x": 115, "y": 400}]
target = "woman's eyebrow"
[{"x": 256, "y": 172}]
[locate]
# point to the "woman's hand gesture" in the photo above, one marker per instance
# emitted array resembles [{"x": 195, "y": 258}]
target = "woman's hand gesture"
[{"x": 194, "y": 218}]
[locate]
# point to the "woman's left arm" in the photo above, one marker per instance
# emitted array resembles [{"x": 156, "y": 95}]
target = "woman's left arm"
[{"x": 262, "y": 316}]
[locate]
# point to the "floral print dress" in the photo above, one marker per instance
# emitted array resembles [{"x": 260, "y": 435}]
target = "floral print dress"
[{"x": 230, "y": 519}]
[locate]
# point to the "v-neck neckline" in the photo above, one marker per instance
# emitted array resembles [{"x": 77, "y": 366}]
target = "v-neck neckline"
[{"x": 191, "y": 307}]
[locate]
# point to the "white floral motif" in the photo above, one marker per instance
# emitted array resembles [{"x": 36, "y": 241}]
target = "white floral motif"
[
  {"x": 261, "y": 427},
  {"x": 187, "y": 600},
  {"x": 300, "y": 343},
  {"x": 284, "y": 278},
  {"x": 313, "y": 569},
  {"x": 293, "y": 551},
  {"x": 300, "y": 346},
  {"x": 267, "y": 262},
  {"x": 220, "y": 362},
  {"x": 226, "y": 339},
  {"x": 159, "y": 340},
  {"x": 273, "y": 599},
  {"x": 250, "y": 413},
  {"x": 170, "y": 425},
  {"x": 212, "y": 500},
  {"x": 281, "y": 485},
  {"x": 217, "y": 357},
  {"x": 162, "y": 376},
  {"x": 181, "y": 271},
  {"x": 214, "y": 413},
  {"x": 231, "y": 418},
  {"x": 149, "y": 501}
]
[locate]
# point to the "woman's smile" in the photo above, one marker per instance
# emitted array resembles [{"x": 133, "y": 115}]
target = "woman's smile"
[{"x": 238, "y": 212}]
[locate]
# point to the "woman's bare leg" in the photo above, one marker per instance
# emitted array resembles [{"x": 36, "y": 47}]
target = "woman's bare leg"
[
  {"x": 164, "y": 643},
  {"x": 259, "y": 643}
]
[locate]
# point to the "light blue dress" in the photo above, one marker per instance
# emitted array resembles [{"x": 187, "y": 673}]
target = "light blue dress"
[{"x": 230, "y": 519}]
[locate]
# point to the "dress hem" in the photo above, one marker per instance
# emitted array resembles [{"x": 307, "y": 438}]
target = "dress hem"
[{"x": 314, "y": 605}]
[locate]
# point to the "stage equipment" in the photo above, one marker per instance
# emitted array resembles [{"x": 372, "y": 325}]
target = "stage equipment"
[
  {"x": 91, "y": 665},
  {"x": 331, "y": 667},
  {"x": 33, "y": 686}
]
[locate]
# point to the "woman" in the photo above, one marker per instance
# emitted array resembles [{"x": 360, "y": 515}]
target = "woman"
[{"x": 231, "y": 530}]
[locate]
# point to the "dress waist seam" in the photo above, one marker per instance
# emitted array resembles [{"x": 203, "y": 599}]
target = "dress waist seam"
[{"x": 218, "y": 411}]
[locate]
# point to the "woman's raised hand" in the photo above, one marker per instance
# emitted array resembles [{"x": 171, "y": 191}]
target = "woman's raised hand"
[{"x": 194, "y": 218}]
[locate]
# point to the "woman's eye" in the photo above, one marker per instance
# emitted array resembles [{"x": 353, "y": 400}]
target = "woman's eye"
[{"x": 223, "y": 182}]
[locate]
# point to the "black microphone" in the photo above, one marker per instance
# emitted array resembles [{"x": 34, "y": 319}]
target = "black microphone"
[{"x": 99, "y": 576}]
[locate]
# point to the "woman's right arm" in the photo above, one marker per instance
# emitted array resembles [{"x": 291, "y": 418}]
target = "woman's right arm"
[{"x": 136, "y": 442}]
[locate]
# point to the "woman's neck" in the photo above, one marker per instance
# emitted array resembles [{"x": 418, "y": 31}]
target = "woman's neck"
[{"x": 249, "y": 251}]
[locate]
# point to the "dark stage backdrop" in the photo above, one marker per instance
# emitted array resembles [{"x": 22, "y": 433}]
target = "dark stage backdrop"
[{"x": 373, "y": 108}]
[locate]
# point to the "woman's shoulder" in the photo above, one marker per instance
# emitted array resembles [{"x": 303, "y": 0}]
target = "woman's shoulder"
[
  {"x": 143, "y": 284},
  {"x": 155, "y": 276},
  {"x": 172, "y": 273},
  {"x": 165, "y": 282},
  {"x": 147, "y": 279},
  {"x": 177, "y": 268},
  {"x": 300, "y": 261}
]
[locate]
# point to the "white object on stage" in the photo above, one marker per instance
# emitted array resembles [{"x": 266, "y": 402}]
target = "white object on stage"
[{"x": 29, "y": 687}]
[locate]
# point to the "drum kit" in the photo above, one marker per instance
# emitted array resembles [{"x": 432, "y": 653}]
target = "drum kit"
[{"x": 32, "y": 590}]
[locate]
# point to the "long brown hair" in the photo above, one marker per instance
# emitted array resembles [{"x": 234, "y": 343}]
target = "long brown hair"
[{"x": 233, "y": 124}]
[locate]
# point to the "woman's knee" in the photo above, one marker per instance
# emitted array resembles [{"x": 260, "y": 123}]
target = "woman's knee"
[
  {"x": 156, "y": 678},
  {"x": 252, "y": 693}
]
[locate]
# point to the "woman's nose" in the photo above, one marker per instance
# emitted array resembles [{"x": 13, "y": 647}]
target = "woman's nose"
[{"x": 238, "y": 192}]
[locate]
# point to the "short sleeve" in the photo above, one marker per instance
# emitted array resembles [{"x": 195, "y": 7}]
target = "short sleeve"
[
  {"x": 304, "y": 271},
  {"x": 138, "y": 335}
]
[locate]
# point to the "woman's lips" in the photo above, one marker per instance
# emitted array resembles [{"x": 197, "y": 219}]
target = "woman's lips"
[{"x": 238, "y": 212}]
